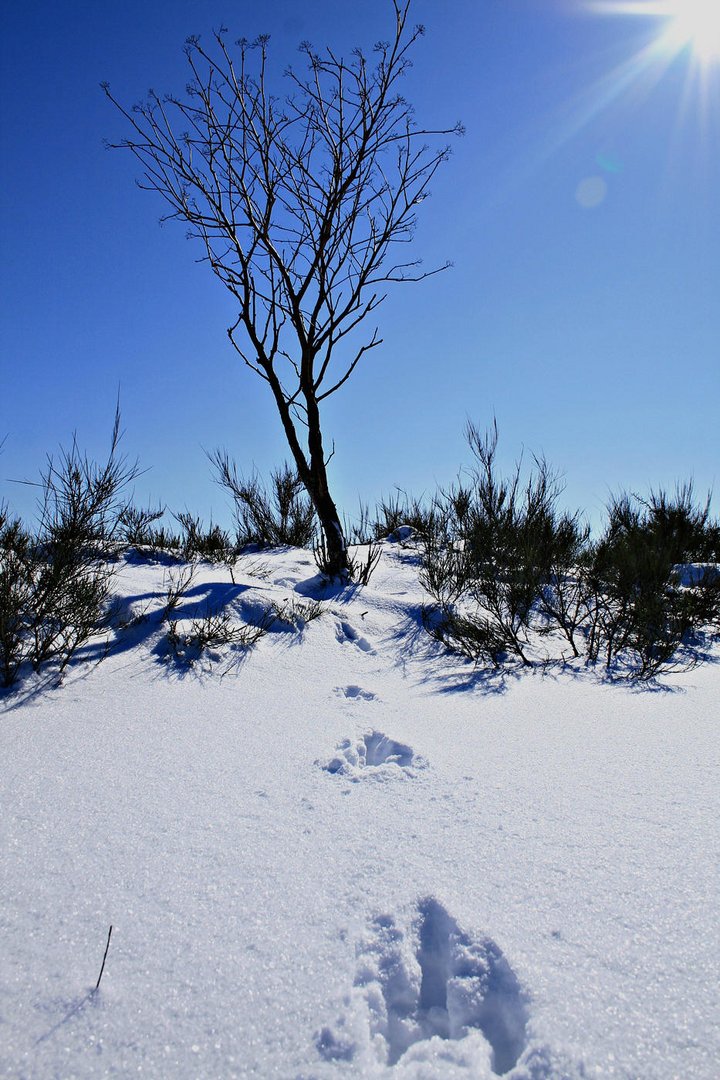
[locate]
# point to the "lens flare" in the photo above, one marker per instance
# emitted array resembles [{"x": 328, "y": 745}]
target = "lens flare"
[
  {"x": 686, "y": 24},
  {"x": 696, "y": 24}
]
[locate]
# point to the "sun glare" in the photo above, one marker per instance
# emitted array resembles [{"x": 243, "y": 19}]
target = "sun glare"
[
  {"x": 695, "y": 24},
  {"x": 677, "y": 39},
  {"x": 686, "y": 24}
]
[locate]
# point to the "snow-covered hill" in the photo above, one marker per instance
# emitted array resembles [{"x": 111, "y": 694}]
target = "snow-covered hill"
[{"x": 347, "y": 853}]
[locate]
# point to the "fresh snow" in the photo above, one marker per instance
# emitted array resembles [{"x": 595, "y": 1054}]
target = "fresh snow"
[{"x": 347, "y": 853}]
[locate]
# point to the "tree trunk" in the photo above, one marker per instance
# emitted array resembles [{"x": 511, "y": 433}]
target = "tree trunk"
[
  {"x": 335, "y": 546},
  {"x": 337, "y": 565},
  {"x": 313, "y": 473}
]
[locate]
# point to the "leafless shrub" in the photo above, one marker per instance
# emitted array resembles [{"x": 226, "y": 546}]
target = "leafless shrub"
[
  {"x": 279, "y": 516},
  {"x": 178, "y": 586},
  {"x": 214, "y": 630},
  {"x": 359, "y": 570},
  {"x": 398, "y": 510},
  {"x": 17, "y": 572},
  {"x": 209, "y": 543},
  {"x": 55, "y": 583},
  {"x": 297, "y": 613},
  {"x": 644, "y": 620},
  {"x": 472, "y": 635},
  {"x": 506, "y": 569},
  {"x": 495, "y": 549},
  {"x": 257, "y": 568},
  {"x": 137, "y": 526},
  {"x": 360, "y": 529},
  {"x": 362, "y": 569}
]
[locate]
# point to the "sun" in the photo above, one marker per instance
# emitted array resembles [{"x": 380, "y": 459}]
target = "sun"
[
  {"x": 676, "y": 38},
  {"x": 695, "y": 24},
  {"x": 692, "y": 25}
]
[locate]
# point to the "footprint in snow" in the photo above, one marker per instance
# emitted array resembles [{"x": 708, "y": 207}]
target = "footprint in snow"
[
  {"x": 355, "y": 692},
  {"x": 373, "y": 754},
  {"x": 431, "y": 981},
  {"x": 344, "y": 632}
]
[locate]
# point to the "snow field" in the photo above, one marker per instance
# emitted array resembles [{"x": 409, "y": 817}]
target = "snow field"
[{"x": 349, "y": 854}]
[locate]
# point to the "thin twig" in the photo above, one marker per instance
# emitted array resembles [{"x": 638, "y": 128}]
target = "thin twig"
[{"x": 97, "y": 984}]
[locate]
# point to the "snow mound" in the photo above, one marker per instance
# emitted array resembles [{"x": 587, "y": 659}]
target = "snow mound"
[{"x": 693, "y": 574}]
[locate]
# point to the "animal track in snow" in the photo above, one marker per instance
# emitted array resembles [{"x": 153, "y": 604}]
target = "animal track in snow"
[
  {"x": 373, "y": 754},
  {"x": 345, "y": 632},
  {"x": 435, "y": 981}
]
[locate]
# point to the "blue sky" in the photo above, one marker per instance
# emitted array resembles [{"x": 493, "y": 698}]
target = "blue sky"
[{"x": 581, "y": 211}]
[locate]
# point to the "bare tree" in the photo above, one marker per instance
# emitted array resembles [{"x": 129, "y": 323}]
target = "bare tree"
[{"x": 300, "y": 203}]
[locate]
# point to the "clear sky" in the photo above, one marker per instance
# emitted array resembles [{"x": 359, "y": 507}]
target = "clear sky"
[{"x": 581, "y": 211}]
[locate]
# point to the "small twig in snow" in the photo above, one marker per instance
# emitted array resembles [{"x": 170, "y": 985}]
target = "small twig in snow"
[{"x": 107, "y": 946}]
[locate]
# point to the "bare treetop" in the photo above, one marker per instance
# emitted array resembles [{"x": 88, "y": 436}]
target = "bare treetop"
[{"x": 302, "y": 202}]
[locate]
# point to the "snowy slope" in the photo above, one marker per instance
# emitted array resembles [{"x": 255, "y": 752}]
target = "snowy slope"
[{"x": 351, "y": 855}]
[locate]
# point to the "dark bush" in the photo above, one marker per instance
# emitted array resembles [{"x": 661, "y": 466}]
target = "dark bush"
[
  {"x": 401, "y": 509},
  {"x": 496, "y": 552},
  {"x": 678, "y": 525},
  {"x": 137, "y": 526},
  {"x": 507, "y": 569},
  {"x": 210, "y": 543},
  {"x": 642, "y": 609},
  {"x": 55, "y": 583},
  {"x": 16, "y": 594},
  {"x": 281, "y": 516},
  {"x": 389, "y": 515},
  {"x": 194, "y": 541}
]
